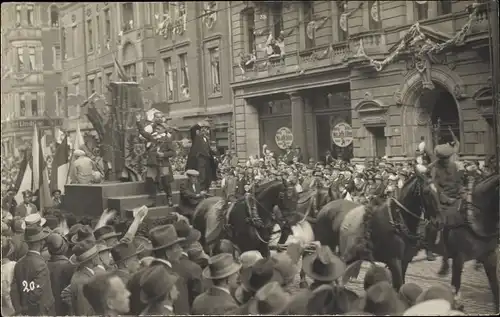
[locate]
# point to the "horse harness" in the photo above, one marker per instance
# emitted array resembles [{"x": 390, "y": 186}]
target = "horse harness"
[{"x": 400, "y": 226}]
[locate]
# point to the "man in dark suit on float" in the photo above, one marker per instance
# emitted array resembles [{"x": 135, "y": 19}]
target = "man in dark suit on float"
[{"x": 201, "y": 156}]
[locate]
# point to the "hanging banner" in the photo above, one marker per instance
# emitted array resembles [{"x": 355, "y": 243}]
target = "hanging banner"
[
  {"x": 342, "y": 134},
  {"x": 284, "y": 138}
]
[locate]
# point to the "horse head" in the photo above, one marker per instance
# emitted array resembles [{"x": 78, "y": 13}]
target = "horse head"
[
  {"x": 275, "y": 193},
  {"x": 485, "y": 194}
]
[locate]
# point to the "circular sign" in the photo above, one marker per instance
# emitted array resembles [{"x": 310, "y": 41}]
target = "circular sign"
[
  {"x": 342, "y": 134},
  {"x": 284, "y": 138}
]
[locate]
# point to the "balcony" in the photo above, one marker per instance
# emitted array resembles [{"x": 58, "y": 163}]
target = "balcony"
[
  {"x": 323, "y": 56},
  {"x": 260, "y": 68},
  {"x": 480, "y": 20},
  {"x": 24, "y": 34},
  {"x": 370, "y": 43}
]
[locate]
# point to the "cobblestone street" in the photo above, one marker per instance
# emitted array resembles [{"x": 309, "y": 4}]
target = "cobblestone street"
[{"x": 475, "y": 292}]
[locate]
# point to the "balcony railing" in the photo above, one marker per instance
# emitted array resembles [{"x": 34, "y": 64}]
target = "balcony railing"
[
  {"x": 480, "y": 21},
  {"x": 372, "y": 43}
]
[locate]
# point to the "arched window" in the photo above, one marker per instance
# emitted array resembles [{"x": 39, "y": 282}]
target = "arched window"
[{"x": 54, "y": 16}]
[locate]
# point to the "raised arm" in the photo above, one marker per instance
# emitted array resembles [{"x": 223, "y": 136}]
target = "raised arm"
[{"x": 143, "y": 132}]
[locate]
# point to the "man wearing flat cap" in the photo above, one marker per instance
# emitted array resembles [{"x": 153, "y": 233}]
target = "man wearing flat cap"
[
  {"x": 160, "y": 148},
  {"x": 27, "y": 207},
  {"x": 191, "y": 193},
  {"x": 201, "y": 156}
]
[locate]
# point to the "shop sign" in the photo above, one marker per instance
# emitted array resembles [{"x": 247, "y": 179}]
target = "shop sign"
[
  {"x": 284, "y": 138},
  {"x": 342, "y": 134},
  {"x": 29, "y": 123}
]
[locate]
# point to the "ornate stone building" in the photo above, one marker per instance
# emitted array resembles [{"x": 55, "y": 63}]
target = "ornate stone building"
[
  {"x": 31, "y": 72},
  {"x": 178, "y": 46},
  {"x": 361, "y": 79}
]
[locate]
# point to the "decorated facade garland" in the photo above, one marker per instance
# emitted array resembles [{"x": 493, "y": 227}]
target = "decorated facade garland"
[{"x": 413, "y": 36}]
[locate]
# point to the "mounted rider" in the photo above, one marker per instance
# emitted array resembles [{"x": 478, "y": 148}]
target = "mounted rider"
[{"x": 316, "y": 186}]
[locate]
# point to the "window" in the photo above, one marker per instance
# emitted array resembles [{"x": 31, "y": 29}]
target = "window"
[
  {"x": 65, "y": 97},
  {"x": 30, "y": 15},
  {"x": 374, "y": 20},
  {"x": 107, "y": 25},
  {"x": 342, "y": 19},
  {"x": 22, "y": 105},
  {"x": 150, "y": 69},
  {"x": 99, "y": 85},
  {"x": 108, "y": 80},
  {"x": 54, "y": 16},
  {"x": 169, "y": 79},
  {"x": 64, "y": 43},
  {"x": 128, "y": 16},
  {"x": 77, "y": 88},
  {"x": 32, "y": 64},
  {"x": 92, "y": 85},
  {"x": 98, "y": 30},
  {"x": 184, "y": 75},
  {"x": 18, "y": 15},
  {"x": 444, "y": 7},
  {"x": 57, "y": 57},
  {"x": 308, "y": 31},
  {"x": 249, "y": 18},
  {"x": 165, "y": 8},
  {"x": 74, "y": 38},
  {"x": 20, "y": 59},
  {"x": 90, "y": 35},
  {"x": 277, "y": 18},
  {"x": 34, "y": 104},
  {"x": 58, "y": 103},
  {"x": 215, "y": 70},
  {"x": 421, "y": 10},
  {"x": 379, "y": 141},
  {"x": 131, "y": 72}
]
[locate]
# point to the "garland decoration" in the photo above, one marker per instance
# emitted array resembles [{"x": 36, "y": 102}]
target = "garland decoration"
[
  {"x": 344, "y": 16},
  {"x": 426, "y": 46},
  {"x": 164, "y": 27}
]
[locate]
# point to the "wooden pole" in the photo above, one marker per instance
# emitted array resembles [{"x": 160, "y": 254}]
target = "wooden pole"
[{"x": 495, "y": 73}]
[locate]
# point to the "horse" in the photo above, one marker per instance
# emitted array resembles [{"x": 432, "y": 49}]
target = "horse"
[
  {"x": 384, "y": 231},
  {"x": 465, "y": 241},
  {"x": 301, "y": 220},
  {"x": 244, "y": 234}
]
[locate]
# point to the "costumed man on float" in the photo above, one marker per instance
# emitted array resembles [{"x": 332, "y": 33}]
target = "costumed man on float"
[
  {"x": 160, "y": 149},
  {"x": 201, "y": 156}
]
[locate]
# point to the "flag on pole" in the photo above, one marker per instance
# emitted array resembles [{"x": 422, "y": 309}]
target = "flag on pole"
[
  {"x": 60, "y": 166},
  {"x": 79, "y": 142},
  {"x": 24, "y": 177},
  {"x": 120, "y": 71},
  {"x": 40, "y": 173}
]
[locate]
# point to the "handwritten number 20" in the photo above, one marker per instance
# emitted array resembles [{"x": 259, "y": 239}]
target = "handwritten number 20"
[{"x": 28, "y": 287}]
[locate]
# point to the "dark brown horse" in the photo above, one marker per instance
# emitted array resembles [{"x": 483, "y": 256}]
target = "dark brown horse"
[
  {"x": 383, "y": 231},
  {"x": 239, "y": 230},
  {"x": 476, "y": 240}
]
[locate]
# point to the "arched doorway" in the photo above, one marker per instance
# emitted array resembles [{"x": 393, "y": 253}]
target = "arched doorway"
[{"x": 442, "y": 113}]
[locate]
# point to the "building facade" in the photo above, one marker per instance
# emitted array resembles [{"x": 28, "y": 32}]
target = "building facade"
[
  {"x": 361, "y": 79},
  {"x": 177, "y": 48},
  {"x": 31, "y": 72}
]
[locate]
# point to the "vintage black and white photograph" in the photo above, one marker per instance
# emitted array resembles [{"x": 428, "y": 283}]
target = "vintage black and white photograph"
[{"x": 250, "y": 158}]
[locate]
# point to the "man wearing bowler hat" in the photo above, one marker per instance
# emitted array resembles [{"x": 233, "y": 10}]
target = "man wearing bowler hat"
[
  {"x": 223, "y": 271},
  {"x": 186, "y": 268},
  {"x": 159, "y": 291},
  {"x": 85, "y": 257},
  {"x": 31, "y": 291},
  {"x": 61, "y": 270}
]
